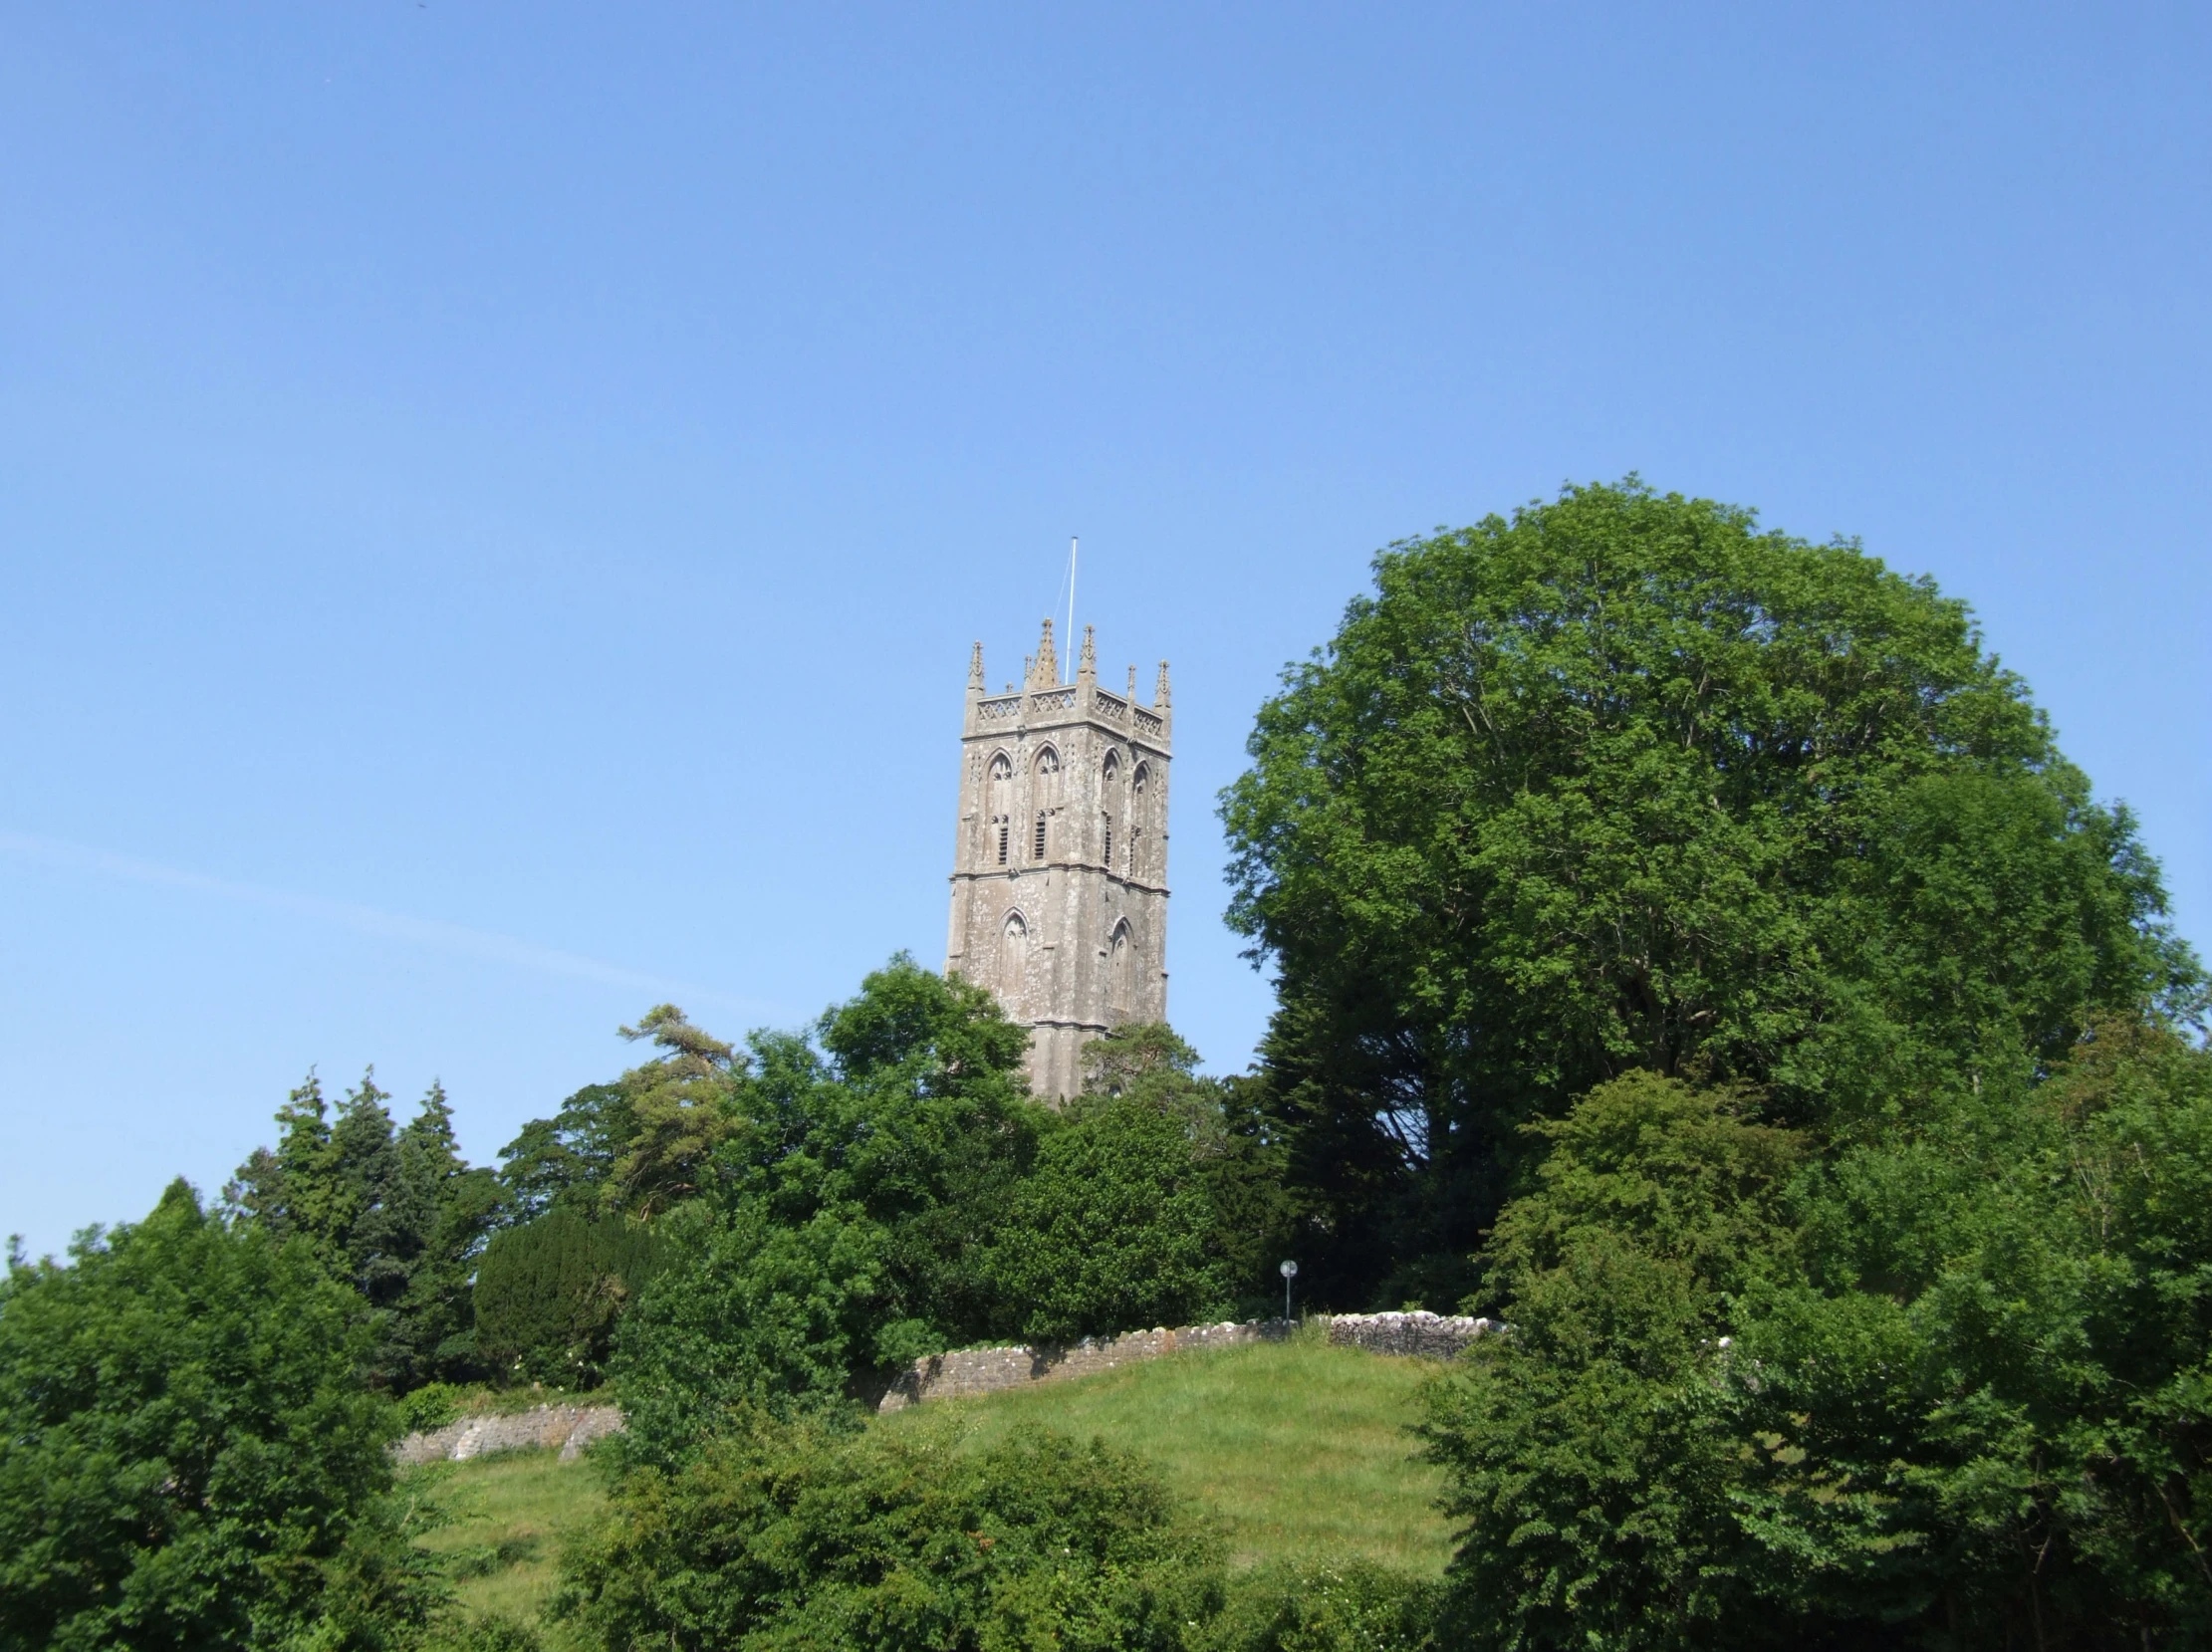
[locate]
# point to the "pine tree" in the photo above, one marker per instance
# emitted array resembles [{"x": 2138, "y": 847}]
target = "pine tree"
[
  {"x": 396, "y": 1215},
  {"x": 446, "y": 1209}
]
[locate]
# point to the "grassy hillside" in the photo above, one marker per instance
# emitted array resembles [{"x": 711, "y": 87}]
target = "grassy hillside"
[
  {"x": 508, "y": 1515},
  {"x": 1299, "y": 1449}
]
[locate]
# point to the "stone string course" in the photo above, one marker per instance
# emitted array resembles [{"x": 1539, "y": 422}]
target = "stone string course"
[{"x": 969, "y": 1372}]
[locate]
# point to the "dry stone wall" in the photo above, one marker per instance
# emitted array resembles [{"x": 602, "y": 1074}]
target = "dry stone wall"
[
  {"x": 568, "y": 1427},
  {"x": 966, "y": 1371},
  {"x": 969, "y": 1372},
  {"x": 991, "y": 1370},
  {"x": 1426, "y": 1335}
]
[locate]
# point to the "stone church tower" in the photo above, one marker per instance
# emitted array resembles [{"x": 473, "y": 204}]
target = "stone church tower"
[{"x": 1060, "y": 868}]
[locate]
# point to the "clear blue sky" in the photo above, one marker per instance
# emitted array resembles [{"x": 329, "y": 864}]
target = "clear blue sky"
[{"x": 495, "y": 499}]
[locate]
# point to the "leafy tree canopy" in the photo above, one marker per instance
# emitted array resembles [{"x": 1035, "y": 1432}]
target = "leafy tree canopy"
[
  {"x": 187, "y": 1458},
  {"x": 1626, "y": 782},
  {"x": 548, "y": 1293},
  {"x": 1112, "y": 1231},
  {"x": 842, "y": 1221}
]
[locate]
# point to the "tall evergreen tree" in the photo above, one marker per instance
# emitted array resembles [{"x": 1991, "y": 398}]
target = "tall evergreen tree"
[
  {"x": 448, "y": 1209},
  {"x": 395, "y": 1214}
]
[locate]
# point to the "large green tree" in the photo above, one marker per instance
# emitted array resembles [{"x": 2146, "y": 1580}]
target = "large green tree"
[
  {"x": 187, "y": 1458},
  {"x": 393, "y": 1210},
  {"x": 841, "y": 1221},
  {"x": 1626, "y": 783}
]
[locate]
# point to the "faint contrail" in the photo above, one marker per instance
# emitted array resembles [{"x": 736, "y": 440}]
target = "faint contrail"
[{"x": 371, "y": 920}]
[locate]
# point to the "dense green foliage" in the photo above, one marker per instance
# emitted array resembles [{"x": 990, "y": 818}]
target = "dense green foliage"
[
  {"x": 394, "y": 1213},
  {"x": 187, "y": 1456},
  {"x": 1236, "y": 1159},
  {"x": 886, "y": 1189},
  {"x": 566, "y": 1160},
  {"x": 1695, "y": 950},
  {"x": 1623, "y": 783},
  {"x": 805, "y": 1537},
  {"x": 802, "y": 1537},
  {"x": 841, "y": 1218},
  {"x": 548, "y": 1294},
  {"x": 1111, "y": 1230},
  {"x": 1952, "y": 1382},
  {"x": 1354, "y": 1607}
]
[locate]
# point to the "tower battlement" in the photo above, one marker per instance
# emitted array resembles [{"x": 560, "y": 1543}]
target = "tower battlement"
[{"x": 1060, "y": 860}]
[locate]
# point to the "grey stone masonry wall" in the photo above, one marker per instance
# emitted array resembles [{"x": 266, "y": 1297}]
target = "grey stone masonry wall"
[
  {"x": 1427, "y": 1335},
  {"x": 570, "y": 1427},
  {"x": 991, "y": 1370},
  {"x": 966, "y": 1371}
]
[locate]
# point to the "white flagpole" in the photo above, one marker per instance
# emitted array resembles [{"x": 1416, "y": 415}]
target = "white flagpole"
[{"x": 1073, "y": 542}]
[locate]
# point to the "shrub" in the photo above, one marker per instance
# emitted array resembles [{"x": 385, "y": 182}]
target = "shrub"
[
  {"x": 1359, "y": 1608},
  {"x": 749, "y": 1317},
  {"x": 548, "y": 1293},
  {"x": 1963, "y": 1403},
  {"x": 798, "y": 1537},
  {"x": 431, "y": 1406}
]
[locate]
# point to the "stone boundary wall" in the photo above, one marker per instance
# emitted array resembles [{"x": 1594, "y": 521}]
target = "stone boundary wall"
[
  {"x": 969, "y": 1372},
  {"x": 991, "y": 1370},
  {"x": 1424, "y": 1335},
  {"x": 569, "y": 1427},
  {"x": 966, "y": 1371}
]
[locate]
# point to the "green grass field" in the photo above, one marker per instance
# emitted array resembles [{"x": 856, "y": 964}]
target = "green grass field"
[
  {"x": 507, "y": 1516},
  {"x": 1299, "y": 1449}
]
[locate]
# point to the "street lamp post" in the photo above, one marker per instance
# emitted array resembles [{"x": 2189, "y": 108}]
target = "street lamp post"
[{"x": 1288, "y": 1270}]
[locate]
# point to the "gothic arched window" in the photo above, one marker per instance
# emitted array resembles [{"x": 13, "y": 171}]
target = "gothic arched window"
[
  {"x": 1120, "y": 969},
  {"x": 999, "y": 804},
  {"x": 1013, "y": 959},
  {"x": 1109, "y": 797},
  {"x": 1140, "y": 821}
]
